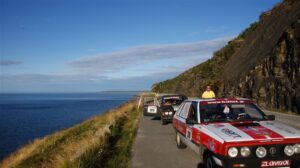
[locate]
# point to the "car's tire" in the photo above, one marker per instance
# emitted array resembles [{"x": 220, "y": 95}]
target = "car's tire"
[
  {"x": 209, "y": 162},
  {"x": 179, "y": 143},
  {"x": 163, "y": 122}
]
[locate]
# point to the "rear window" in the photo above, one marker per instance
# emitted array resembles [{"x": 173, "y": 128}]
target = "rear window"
[{"x": 172, "y": 100}]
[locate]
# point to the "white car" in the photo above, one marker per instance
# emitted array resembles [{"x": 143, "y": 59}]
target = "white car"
[{"x": 235, "y": 133}]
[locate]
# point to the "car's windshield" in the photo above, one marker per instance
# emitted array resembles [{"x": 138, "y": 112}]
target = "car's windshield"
[
  {"x": 172, "y": 100},
  {"x": 230, "y": 112}
]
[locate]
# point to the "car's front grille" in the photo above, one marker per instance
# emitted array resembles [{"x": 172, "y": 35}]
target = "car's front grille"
[{"x": 272, "y": 150}]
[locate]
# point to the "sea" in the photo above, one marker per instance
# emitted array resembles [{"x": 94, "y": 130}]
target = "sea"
[{"x": 25, "y": 117}]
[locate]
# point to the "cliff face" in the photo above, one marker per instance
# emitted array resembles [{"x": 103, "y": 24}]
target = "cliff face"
[
  {"x": 274, "y": 81},
  {"x": 193, "y": 81},
  {"x": 262, "y": 63}
]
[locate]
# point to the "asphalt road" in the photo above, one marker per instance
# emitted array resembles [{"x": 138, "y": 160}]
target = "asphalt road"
[
  {"x": 155, "y": 145},
  {"x": 291, "y": 120}
]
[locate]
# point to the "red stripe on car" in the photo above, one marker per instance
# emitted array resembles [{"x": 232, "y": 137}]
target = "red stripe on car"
[{"x": 259, "y": 132}]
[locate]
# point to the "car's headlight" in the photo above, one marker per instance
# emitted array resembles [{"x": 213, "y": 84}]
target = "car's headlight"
[
  {"x": 233, "y": 152},
  {"x": 297, "y": 148},
  {"x": 289, "y": 150},
  {"x": 170, "y": 113},
  {"x": 245, "y": 151},
  {"x": 261, "y": 152}
]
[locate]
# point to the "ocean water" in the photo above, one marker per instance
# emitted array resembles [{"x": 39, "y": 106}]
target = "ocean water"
[{"x": 25, "y": 117}]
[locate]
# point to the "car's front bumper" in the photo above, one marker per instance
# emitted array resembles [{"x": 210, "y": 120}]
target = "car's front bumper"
[
  {"x": 151, "y": 114},
  {"x": 167, "y": 117},
  {"x": 256, "y": 162}
]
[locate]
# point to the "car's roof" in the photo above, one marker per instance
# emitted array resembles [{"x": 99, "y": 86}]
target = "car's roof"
[{"x": 217, "y": 99}]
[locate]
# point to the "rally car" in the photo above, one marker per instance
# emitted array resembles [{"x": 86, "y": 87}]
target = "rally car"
[
  {"x": 151, "y": 107},
  {"x": 163, "y": 106},
  {"x": 235, "y": 133},
  {"x": 168, "y": 105}
]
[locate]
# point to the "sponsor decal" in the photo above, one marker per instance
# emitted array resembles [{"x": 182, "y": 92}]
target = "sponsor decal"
[
  {"x": 226, "y": 102},
  {"x": 230, "y": 133},
  {"x": 276, "y": 163},
  {"x": 260, "y": 132}
]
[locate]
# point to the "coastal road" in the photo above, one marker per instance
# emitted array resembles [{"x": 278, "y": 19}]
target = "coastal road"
[{"x": 155, "y": 144}]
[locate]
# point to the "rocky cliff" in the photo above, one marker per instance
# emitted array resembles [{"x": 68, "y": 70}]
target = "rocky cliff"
[{"x": 262, "y": 63}]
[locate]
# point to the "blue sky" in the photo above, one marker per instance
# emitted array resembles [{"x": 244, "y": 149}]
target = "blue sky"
[{"x": 96, "y": 45}]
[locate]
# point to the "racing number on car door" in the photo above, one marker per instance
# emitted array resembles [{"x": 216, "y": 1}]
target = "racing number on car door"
[{"x": 192, "y": 115}]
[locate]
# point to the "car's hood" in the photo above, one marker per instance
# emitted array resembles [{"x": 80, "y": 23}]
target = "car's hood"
[{"x": 263, "y": 130}]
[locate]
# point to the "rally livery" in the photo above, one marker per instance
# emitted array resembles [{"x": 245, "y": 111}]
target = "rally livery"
[
  {"x": 163, "y": 106},
  {"x": 235, "y": 133}
]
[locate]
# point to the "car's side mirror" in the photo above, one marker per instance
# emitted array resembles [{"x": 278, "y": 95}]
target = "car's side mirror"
[
  {"x": 271, "y": 117},
  {"x": 191, "y": 121}
]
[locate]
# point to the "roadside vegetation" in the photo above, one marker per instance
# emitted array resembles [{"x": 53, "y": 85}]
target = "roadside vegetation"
[{"x": 102, "y": 141}]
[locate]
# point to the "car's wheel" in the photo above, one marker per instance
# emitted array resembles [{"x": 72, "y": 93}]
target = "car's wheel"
[
  {"x": 145, "y": 110},
  {"x": 179, "y": 142},
  {"x": 163, "y": 122},
  {"x": 209, "y": 162}
]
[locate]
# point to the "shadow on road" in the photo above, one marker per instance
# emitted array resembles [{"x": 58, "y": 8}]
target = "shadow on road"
[
  {"x": 200, "y": 165},
  {"x": 155, "y": 118}
]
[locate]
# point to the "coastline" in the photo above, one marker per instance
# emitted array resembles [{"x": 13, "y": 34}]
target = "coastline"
[{"x": 101, "y": 141}]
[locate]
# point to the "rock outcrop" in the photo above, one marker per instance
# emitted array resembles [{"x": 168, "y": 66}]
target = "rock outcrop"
[
  {"x": 274, "y": 81},
  {"x": 262, "y": 63}
]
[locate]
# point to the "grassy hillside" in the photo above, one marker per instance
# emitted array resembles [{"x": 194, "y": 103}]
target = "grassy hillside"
[
  {"x": 262, "y": 63},
  {"x": 102, "y": 141},
  {"x": 193, "y": 81}
]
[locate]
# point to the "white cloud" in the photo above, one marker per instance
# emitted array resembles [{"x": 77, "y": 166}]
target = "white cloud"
[
  {"x": 117, "y": 63},
  {"x": 134, "y": 68}
]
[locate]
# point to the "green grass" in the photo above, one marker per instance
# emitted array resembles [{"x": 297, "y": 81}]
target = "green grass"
[
  {"x": 116, "y": 152},
  {"x": 88, "y": 144}
]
